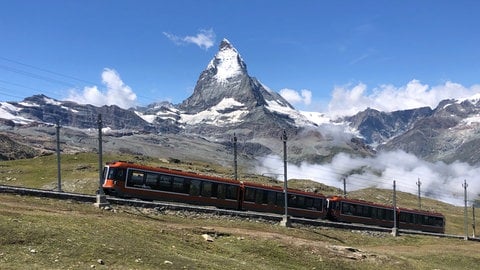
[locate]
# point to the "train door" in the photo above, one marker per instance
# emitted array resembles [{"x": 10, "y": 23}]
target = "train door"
[{"x": 332, "y": 208}]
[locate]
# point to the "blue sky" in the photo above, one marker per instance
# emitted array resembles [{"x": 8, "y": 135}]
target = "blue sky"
[{"x": 346, "y": 55}]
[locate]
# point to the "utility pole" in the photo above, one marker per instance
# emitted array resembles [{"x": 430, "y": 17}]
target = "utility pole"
[
  {"x": 286, "y": 221},
  {"x": 101, "y": 198},
  {"x": 395, "y": 227},
  {"x": 419, "y": 196},
  {"x": 235, "y": 167},
  {"x": 473, "y": 222},
  {"x": 465, "y": 185},
  {"x": 59, "y": 174},
  {"x": 344, "y": 187}
]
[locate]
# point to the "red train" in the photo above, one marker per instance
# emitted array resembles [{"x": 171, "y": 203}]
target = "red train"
[
  {"x": 125, "y": 179},
  {"x": 357, "y": 211}
]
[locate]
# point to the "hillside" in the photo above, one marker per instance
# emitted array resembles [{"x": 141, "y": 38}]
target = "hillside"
[
  {"x": 49, "y": 234},
  {"x": 46, "y": 233},
  {"x": 80, "y": 174}
]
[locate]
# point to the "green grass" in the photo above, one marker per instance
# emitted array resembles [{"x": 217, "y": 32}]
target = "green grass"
[
  {"x": 80, "y": 174},
  {"x": 51, "y": 234}
]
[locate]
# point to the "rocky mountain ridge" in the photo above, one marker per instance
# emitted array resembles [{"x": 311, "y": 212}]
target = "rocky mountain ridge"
[
  {"x": 449, "y": 132},
  {"x": 227, "y": 101}
]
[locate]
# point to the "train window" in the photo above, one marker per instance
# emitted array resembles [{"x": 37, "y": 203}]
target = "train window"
[
  {"x": 214, "y": 189},
  {"x": 292, "y": 200},
  {"x": 151, "y": 180},
  {"x": 195, "y": 187},
  {"x": 281, "y": 199},
  {"x": 437, "y": 221},
  {"x": 115, "y": 173},
  {"x": 367, "y": 211},
  {"x": 381, "y": 213},
  {"x": 179, "y": 185},
  {"x": 249, "y": 194},
  {"x": 301, "y": 202},
  {"x": 221, "y": 191},
  {"x": 120, "y": 175},
  {"x": 135, "y": 178},
  {"x": 206, "y": 189},
  {"x": 309, "y": 203},
  {"x": 232, "y": 192},
  {"x": 271, "y": 196},
  {"x": 409, "y": 218},
  {"x": 259, "y": 196},
  {"x": 318, "y": 204},
  {"x": 432, "y": 221},
  {"x": 389, "y": 214},
  {"x": 165, "y": 182},
  {"x": 359, "y": 210},
  {"x": 347, "y": 209}
]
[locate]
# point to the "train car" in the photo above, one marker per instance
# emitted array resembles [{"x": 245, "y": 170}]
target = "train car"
[
  {"x": 421, "y": 220},
  {"x": 130, "y": 180},
  {"x": 272, "y": 199},
  {"x": 357, "y": 211},
  {"x": 125, "y": 179}
]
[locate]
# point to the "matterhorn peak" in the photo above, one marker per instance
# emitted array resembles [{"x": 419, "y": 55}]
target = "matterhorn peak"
[
  {"x": 225, "y": 44},
  {"x": 227, "y": 63}
]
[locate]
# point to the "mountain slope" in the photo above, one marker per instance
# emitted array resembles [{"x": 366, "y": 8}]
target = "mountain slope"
[
  {"x": 226, "y": 98},
  {"x": 378, "y": 127},
  {"x": 450, "y": 133},
  {"x": 227, "y": 101}
]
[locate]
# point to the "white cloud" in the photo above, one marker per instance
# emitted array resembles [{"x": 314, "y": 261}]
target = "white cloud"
[
  {"x": 439, "y": 180},
  {"x": 204, "y": 39},
  {"x": 348, "y": 100},
  {"x": 295, "y": 97},
  {"x": 117, "y": 92}
]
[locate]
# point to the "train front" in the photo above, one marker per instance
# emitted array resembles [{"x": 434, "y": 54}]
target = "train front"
[{"x": 113, "y": 177}]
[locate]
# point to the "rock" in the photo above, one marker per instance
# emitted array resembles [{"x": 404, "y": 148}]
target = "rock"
[
  {"x": 100, "y": 261},
  {"x": 207, "y": 237},
  {"x": 167, "y": 262}
]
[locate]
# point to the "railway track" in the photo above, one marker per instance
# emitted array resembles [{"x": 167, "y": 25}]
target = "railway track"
[{"x": 212, "y": 210}]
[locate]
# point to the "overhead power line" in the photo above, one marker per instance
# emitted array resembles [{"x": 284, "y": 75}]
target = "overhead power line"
[{"x": 47, "y": 71}]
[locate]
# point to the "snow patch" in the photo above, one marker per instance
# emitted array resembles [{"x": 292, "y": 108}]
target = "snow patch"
[
  {"x": 52, "y": 101},
  {"x": 277, "y": 107},
  {"x": 228, "y": 64},
  {"x": 316, "y": 117},
  {"x": 28, "y": 104},
  {"x": 216, "y": 115},
  {"x": 471, "y": 120},
  {"x": 473, "y": 99},
  {"x": 150, "y": 118},
  {"x": 10, "y": 112}
]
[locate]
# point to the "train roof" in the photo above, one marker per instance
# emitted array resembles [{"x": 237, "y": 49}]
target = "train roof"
[
  {"x": 172, "y": 171},
  {"x": 401, "y": 209},
  {"x": 280, "y": 189},
  {"x": 421, "y": 212},
  {"x": 207, "y": 177},
  {"x": 356, "y": 201}
]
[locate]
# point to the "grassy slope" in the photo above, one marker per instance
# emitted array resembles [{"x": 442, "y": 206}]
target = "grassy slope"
[{"x": 50, "y": 234}]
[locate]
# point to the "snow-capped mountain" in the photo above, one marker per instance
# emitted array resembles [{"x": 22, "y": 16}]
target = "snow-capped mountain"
[
  {"x": 449, "y": 132},
  {"x": 226, "y": 99}
]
